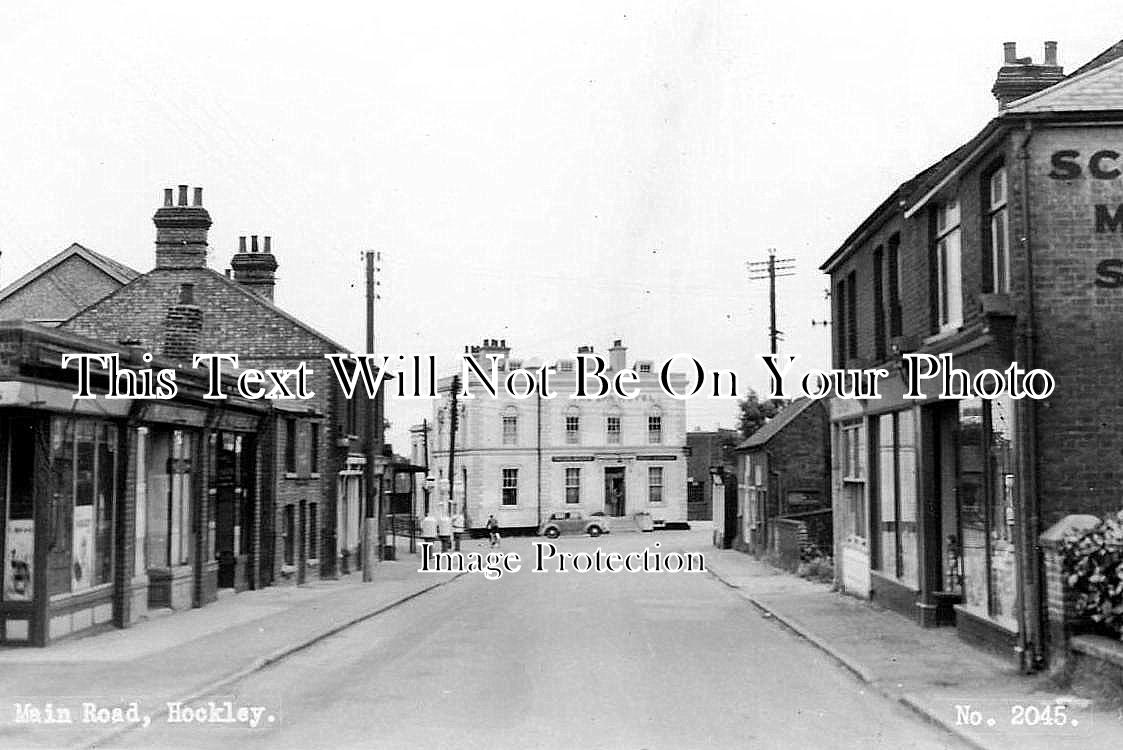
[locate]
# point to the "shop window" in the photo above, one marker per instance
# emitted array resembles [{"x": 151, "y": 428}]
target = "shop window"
[
  {"x": 897, "y": 545},
  {"x": 290, "y": 446},
  {"x": 998, "y": 231},
  {"x": 985, "y": 484},
  {"x": 19, "y": 541},
  {"x": 169, "y": 498},
  {"x": 655, "y": 484},
  {"x": 852, "y": 454},
  {"x": 572, "y": 485},
  {"x": 949, "y": 274},
  {"x": 510, "y": 487},
  {"x": 84, "y": 480},
  {"x": 612, "y": 427}
]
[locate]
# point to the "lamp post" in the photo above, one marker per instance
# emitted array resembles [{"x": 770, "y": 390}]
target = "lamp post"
[{"x": 429, "y": 484}]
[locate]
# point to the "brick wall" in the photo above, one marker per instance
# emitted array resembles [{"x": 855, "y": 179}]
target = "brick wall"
[{"x": 1078, "y": 327}]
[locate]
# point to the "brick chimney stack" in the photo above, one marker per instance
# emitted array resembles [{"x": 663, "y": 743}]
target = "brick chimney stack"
[
  {"x": 181, "y": 230},
  {"x": 617, "y": 356},
  {"x": 256, "y": 269},
  {"x": 1020, "y": 76}
]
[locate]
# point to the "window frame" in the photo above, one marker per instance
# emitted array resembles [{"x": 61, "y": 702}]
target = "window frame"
[
  {"x": 999, "y": 251},
  {"x": 572, "y": 485},
  {"x": 613, "y": 428},
  {"x": 949, "y": 265},
  {"x": 655, "y": 497},
  {"x": 509, "y": 488}
]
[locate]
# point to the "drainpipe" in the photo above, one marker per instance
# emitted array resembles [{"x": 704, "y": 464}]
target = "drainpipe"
[
  {"x": 538, "y": 452},
  {"x": 1029, "y": 614}
]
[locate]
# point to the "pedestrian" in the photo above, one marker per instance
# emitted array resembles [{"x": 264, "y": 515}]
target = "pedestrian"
[
  {"x": 429, "y": 529},
  {"x": 444, "y": 531},
  {"x": 493, "y": 530}
]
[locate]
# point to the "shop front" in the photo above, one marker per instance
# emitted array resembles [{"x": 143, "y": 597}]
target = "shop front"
[{"x": 62, "y": 489}]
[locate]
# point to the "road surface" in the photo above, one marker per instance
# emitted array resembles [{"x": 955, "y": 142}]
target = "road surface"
[{"x": 550, "y": 660}]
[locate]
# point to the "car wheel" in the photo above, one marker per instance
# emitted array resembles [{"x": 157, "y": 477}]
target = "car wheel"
[
  {"x": 594, "y": 531},
  {"x": 552, "y": 533}
]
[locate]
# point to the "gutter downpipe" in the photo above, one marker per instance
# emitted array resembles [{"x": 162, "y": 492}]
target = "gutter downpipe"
[
  {"x": 538, "y": 453},
  {"x": 1029, "y": 614}
]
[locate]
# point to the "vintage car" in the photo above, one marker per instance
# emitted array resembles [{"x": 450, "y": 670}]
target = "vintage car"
[{"x": 572, "y": 522}]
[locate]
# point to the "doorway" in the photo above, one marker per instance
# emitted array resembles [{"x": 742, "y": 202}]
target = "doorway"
[{"x": 614, "y": 491}]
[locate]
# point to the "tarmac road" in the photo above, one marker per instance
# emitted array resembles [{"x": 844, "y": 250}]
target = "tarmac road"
[{"x": 549, "y": 660}]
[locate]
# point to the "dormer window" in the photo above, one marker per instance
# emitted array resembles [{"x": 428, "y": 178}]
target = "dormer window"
[{"x": 949, "y": 276}]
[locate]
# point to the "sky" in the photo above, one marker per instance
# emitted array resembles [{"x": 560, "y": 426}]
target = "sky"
[{"x": 553, "y": 174}]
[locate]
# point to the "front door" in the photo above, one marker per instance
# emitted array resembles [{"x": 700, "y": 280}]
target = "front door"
[
  {"x": 227, "y": 509},
  {"x": 614, "y": 491}
]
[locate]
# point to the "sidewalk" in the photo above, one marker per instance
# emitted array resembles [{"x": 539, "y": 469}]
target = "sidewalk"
[
  {"x": 205, "y": 649},
  {"x": 930, "y": 670}
]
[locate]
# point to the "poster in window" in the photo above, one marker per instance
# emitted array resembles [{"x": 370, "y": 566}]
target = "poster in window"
[
  {"x": 20, "y": 563},
  {"x": 83, "y": 561}
]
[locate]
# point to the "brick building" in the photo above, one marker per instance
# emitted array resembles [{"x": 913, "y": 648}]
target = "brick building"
[
  {"x": 1010, "y": 249},
  {"x": 705, "y": 450},
  {"x": 521, "y": 459},
  {"x": 310, "y": 456},
  {"x": 63, "y": 285},
  {"x": 108, "y": 504},
  {"x": 784, "y": 483}
]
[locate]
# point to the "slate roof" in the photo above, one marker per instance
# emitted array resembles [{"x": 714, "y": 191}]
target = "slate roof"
[
  {"x": 772, "y": 427},
  {"x": 115, "y": 270},
  {"x": 1097, "y": 89}
]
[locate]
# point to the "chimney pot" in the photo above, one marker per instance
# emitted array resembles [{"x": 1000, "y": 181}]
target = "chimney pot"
[
  {"x": 168, "y": 197},
  {"x": 183, "y": 195},
  {"x": 241, "y": 244},
  {"x": 253, "y": 243},
  {"x": 503, "y": 342},
  {"x": 268, "y": 240},
  {"x": 618, "y": 342},
  {"x": 1050, "y": 53},
  {"x": 198, "y": 197},
  {"x": 1010, "y": 52}
]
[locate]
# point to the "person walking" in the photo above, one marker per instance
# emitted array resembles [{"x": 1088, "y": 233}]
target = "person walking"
[{"x": 493, "y": 530}]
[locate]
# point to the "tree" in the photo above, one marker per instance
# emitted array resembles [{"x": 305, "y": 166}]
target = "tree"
[{"x": 754, "y": 413}]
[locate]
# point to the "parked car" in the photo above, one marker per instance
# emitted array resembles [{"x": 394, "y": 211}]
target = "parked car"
[{"x": 572, "y": 522}]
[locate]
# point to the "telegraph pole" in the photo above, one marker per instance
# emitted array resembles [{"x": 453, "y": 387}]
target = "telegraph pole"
[
  {"x": 771, "y": 269},
  {"x": 372, "y": 517}
]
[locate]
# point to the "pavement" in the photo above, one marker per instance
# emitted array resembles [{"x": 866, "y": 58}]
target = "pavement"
[
  {"x": 182, "y": 656},
  {"x": 981, "y": 698},
  {"x": 741, "y": 655}
]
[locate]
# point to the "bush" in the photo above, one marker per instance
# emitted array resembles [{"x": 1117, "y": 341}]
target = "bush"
[{"x": 1093, "y": 566}]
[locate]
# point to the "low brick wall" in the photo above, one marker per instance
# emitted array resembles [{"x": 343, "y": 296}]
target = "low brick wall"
[{"x": 1076, "y": 657}]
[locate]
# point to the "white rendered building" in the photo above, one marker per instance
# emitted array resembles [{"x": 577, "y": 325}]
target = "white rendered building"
[{"x": 523, "y": 459}]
